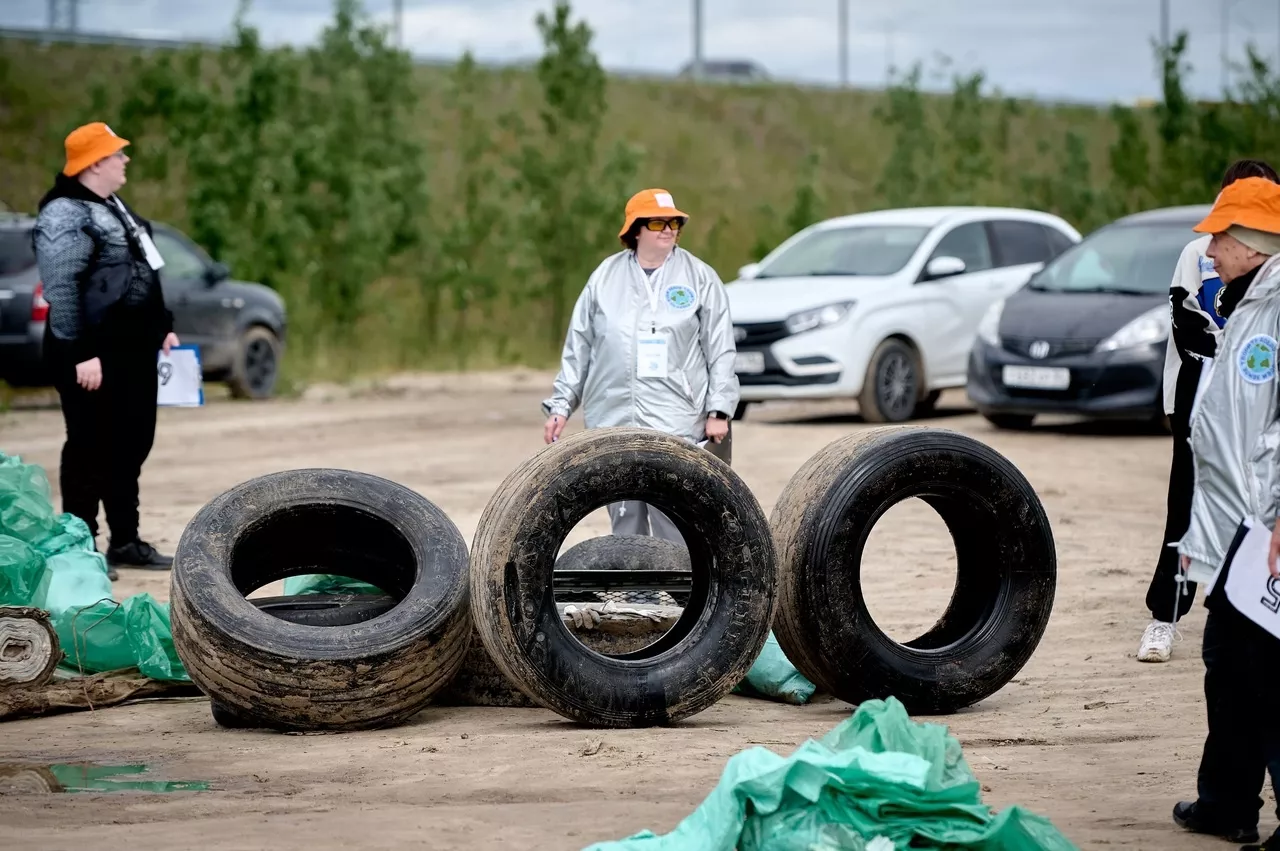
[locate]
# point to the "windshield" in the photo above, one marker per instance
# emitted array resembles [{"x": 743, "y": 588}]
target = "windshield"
[
  {"x": 1127, "y": 258},
  {"x": 860, "y": 250}
]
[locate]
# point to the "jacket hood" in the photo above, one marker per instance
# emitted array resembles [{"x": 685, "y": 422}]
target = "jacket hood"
[{"x": 69, "y": 187}]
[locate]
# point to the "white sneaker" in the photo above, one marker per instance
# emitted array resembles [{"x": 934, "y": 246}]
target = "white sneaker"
[{"x": 1157, "y": 642}]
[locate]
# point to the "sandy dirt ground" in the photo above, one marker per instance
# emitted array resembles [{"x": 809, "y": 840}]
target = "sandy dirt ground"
[{"x": 1101, "y": 744}]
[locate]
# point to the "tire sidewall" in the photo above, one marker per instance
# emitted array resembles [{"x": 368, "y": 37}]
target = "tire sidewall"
[
  {"x": 204, "y": 594},
  {"x": 731, "y": 556},
  {"x": 860, "y": 660}
]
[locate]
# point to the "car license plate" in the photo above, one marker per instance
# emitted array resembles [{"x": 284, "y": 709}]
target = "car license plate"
[
  {"x": 752, "y": 362},
  {"x": 1037, "y": 377}
]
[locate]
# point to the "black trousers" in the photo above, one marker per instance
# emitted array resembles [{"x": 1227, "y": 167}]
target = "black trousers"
[
  {"x": 1163, "y": 597},
  {"x": 110, "y": 432},
  {"x": 1241, "y": 692}
]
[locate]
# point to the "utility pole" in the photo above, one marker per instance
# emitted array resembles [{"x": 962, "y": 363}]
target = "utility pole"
[
  {"x": 844, "y": 43},
  {"x": 698, "y": 39},
  {"x": 63, "y": 15},
  {"x": 1225, "y": 9},
  {"x": 1164, "y": 24},
  {"x": 398, "y": 16}
]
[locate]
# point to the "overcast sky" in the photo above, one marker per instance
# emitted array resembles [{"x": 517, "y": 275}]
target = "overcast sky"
[{"x": 1089, "y": 50}]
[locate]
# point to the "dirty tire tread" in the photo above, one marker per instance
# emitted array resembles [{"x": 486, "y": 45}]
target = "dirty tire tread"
[
  {"x": 846, "y": 654},
  {"x": 291, "y": 676},
  {"x": 731, "y": 556}
]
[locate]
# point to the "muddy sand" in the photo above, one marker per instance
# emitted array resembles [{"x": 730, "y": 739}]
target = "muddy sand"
[{"x": 1101, "y": 744}]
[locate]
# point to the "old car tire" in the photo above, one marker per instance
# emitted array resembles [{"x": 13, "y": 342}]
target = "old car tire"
[
  {"x": 623, "y": 552},
  {"x": 1005, "y": 554},
  {"x": 257, "y": 364},
  {"x": 891, "y": 388},
  {"x": 293, "y": 676},
  {"x": 719, "y": 634}
]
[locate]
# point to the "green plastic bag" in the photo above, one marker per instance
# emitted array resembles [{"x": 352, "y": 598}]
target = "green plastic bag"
[
  {"x": 109, "y": 636},
  {"x": 21, "y": 569},
  {"x": 327, "y": 583},
  {"x": 877, "y": 781},
  {"x": 773, "y": 677},
  {"x": 49, "y": 561},
  {"x": 26, "y": 504}
]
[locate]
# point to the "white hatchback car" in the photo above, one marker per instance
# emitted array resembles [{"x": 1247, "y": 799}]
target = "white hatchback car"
[{"x": 882, "y": 306}]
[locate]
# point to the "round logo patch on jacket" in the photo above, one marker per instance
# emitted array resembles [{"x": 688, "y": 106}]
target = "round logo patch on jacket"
[
  {"x": 680, "y": 297},
  {"x": 1257, "y": 360}
]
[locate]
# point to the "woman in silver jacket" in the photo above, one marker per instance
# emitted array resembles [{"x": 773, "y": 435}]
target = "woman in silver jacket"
[{"x": 650, "y": 345}]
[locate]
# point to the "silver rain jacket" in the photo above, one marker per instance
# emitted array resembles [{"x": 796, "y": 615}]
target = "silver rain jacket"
[
  {"x": 1235, "y": 435},
  {"x": 599, "y": 363}
]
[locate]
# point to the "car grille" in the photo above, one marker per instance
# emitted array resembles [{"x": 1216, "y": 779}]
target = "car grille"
[
  {"x": 759, "y": 333},
  {"x": 1057, "y": 348}
]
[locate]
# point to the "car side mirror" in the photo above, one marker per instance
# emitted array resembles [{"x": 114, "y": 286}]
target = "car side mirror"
[
  {"x": 748, "y": 271},
  {"x": 215, "y": 273},
  {"x": 943, "y": 267}
]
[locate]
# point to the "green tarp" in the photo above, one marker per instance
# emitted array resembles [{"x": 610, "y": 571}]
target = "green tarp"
[
  {"x": 877, "y": 782},
  {"x": 49, "y": 561}
]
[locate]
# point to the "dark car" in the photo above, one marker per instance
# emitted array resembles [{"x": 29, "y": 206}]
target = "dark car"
[
  {"x": 1087, "y": 334},
  {"x": 239, "y": 326}
]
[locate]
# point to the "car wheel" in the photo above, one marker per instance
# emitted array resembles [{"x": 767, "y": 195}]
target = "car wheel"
[
  {"x": 891, "y": 389},
  {"x": 257, "y": 364},
  {"x": 1011, "y": 422}
]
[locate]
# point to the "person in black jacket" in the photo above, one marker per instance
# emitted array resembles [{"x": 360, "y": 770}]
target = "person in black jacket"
[
  {"x": 1200, "y": 305},
  {"x": 107, "y": 320}
]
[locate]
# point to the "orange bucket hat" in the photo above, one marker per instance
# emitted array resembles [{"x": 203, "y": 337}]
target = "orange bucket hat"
[
  {"x": 1253, "y": 202},
  {"x": 649, "y": 204},
  {"x": 89, "y": 143}
]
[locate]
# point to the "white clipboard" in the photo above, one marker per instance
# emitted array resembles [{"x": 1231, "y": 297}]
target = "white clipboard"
[
  {"x": 1250, "y": 587},
  {"x": 180, "y": 377}
]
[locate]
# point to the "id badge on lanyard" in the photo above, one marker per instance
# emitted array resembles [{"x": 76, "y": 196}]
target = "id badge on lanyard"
[
  {"x": 651, "y": 346},
  {"x": 149, "y": 250}
]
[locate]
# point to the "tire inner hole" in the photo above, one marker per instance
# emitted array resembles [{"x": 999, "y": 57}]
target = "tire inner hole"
[
  {"x": 638, "y": 609},
  {"x": 909, "y": 571},
  {"x": 335, "y": 565}
]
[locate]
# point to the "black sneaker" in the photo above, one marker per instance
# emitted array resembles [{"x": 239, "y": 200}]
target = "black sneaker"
[
  {"x": 1191, "y": 816},
  {"x": 138, "y": 554},
  {"x": 1271, "y": 843}
]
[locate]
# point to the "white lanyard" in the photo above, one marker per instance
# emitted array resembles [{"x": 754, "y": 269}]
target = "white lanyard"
[
  {"x": 149, "y": 251},
  {"x": 653, "y": 283}
]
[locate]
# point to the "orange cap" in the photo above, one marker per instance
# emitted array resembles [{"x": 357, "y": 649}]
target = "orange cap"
[
  {"x": 1252, "y": 202},
  {"x": 647, "y": 204},
  {"x": 88, "y": 144}
]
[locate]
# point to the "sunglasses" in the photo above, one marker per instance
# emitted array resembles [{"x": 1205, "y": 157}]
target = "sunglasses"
[{"x": 659, "y": 225}]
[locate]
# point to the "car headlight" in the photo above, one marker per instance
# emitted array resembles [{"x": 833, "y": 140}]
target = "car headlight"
[
  {"x": 819, "y": 317},
  {"x": 989, "y": 327},
  {"x": 1151, "y": 327}
]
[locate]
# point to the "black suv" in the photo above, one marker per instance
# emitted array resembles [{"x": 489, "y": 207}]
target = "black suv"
[{"x": 239, "y": 327}]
